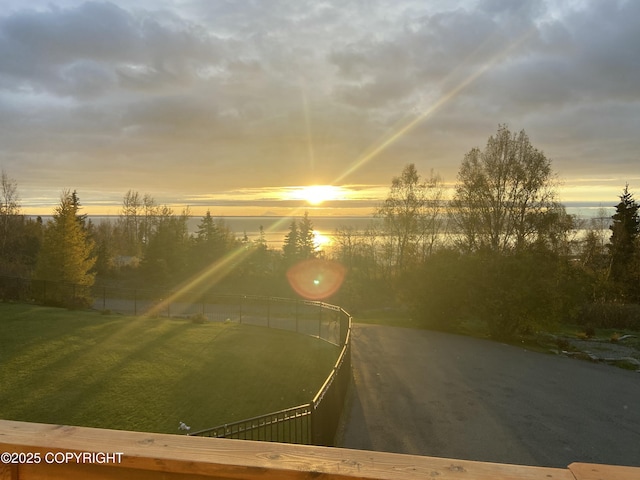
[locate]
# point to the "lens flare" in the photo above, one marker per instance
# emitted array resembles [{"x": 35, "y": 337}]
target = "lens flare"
[
  {"x": 427, "y": 112},
  {"x": 316, "y": 279}
]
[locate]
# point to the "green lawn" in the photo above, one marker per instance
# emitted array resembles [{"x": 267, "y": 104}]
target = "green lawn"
[{"x": 149, "y": 374}]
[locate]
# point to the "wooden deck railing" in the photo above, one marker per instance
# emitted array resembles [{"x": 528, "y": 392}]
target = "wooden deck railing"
[{"x": 54, "y": 451}]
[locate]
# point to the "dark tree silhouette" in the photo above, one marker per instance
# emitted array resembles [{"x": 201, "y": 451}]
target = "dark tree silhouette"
[
  {"x": 504, "y": 198},
  {"x": 623, "y": 246}
]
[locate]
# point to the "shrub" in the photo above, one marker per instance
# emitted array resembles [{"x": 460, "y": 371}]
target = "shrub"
[
  {"x": 198, "y": 318},
  {"x": 438, "y": 291},
  {"x": 511, "y": 294},
  {"x": 77, "y": 303}
]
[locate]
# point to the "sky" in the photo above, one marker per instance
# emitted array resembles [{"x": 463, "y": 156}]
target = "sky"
[{"x": 233, "y": 106}]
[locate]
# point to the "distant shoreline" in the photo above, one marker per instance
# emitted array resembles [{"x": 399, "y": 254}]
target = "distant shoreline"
[{"x": 275, "y": 228}]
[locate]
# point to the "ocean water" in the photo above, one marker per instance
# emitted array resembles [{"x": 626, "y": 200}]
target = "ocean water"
[{"x": 275, "y": 228}]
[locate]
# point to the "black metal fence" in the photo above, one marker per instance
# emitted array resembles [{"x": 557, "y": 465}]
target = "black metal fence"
[
  {"x": 329, "y": 401},
  {"x": 315, "y": 319},
  {"x": 313, "y": 423},
  {"x": 311, "y": 318},
  {"x": 292, "y": 425}
]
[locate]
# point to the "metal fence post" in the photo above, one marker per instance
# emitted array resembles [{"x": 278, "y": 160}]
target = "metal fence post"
[{"x": 313, "y": 433}]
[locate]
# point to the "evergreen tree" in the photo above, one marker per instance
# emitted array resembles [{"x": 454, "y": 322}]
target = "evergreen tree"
[
  {"x": 213, "y": 239},
  {"x": 80, "y": 218},
  {"x": 66, "y": 254},
  {"x": 306, "y": 238},
  {"x": 206, "y": 228},
  {"x": 299, "y": 243},
  {"x": 623, "y": 245},
  {"x": 290, "y": 247}
]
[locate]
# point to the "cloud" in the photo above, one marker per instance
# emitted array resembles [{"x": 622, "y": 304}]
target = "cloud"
[
  {"x": 604, "y": 38},
  {"x": 88, "y": 48},
  {"x": 216, "y": 95}
]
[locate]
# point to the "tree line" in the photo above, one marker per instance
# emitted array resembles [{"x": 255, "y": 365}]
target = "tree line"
[{"x": 502, "y": 253}]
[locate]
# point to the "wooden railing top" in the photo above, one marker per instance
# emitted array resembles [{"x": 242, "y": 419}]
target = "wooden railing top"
[{"x": 145, "y": 455}]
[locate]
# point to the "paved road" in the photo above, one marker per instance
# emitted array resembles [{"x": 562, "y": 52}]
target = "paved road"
[{"x": 435, "y": 394}]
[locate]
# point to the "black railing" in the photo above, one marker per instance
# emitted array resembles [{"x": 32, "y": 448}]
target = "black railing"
[
  {"x": 313, "y": 423},
  {"x": 328, "y": 403},
  {"x": 292, "y": 425}
]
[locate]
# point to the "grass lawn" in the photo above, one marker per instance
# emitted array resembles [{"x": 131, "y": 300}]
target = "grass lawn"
[{"x": 149, "y": 374}]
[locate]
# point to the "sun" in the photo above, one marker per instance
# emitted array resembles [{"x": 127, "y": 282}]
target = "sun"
[
  {"x": 317, "y": 194},
  {"x": 321, "y": 241}
]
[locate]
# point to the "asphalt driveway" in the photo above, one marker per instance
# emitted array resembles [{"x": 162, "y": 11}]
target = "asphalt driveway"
[{"x": 435, "y": 394}]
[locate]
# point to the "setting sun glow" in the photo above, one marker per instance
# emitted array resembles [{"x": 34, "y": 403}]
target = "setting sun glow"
[
  {"x": 320, "y": 241},
  {"x": 317, "y": 194}
]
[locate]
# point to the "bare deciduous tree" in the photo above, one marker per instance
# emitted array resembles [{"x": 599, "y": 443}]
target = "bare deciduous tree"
[
  {"x": 505, "y": 197},
  {"x": 9, "y": 207},
  {"x": 411, "y": 216},
  {"x": 130, "y": 222}
]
